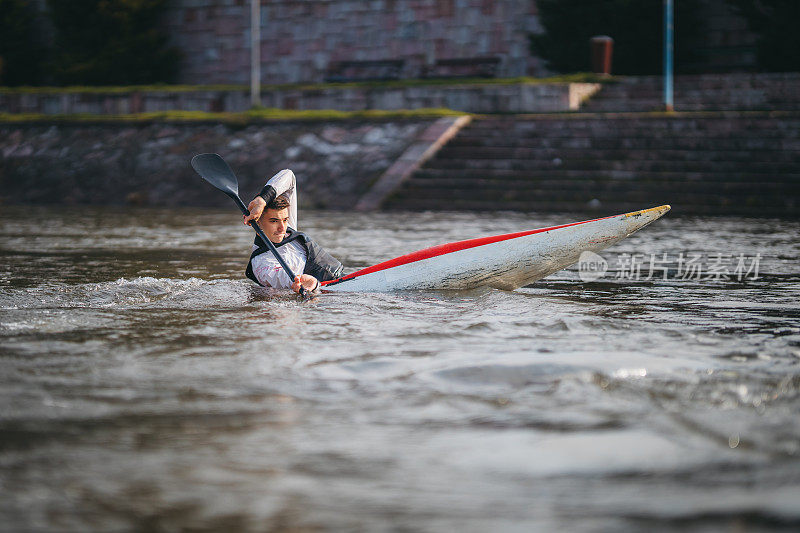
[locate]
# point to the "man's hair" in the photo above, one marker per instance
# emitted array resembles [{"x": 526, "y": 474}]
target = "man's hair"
[{"x": 279, "y": 202}]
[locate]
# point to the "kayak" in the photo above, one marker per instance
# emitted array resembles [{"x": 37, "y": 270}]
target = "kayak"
[{"x": 504, "y": 262}]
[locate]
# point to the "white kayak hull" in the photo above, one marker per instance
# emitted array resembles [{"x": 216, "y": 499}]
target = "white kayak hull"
[{"x": 502, "y": 262}]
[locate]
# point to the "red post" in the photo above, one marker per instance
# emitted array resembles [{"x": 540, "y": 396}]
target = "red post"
[{"x": 602, "y": 51}]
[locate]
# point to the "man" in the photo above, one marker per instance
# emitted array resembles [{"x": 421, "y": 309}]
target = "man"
[{"x": 275, "y": 210}]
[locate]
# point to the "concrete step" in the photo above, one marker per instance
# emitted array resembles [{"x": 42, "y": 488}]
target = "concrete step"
[
  {"x": 597, "y": 123},
  {"x": 553, "y": 155},
  {"x": 515, "y": 178},
  {"x": 640, "y": 198},
  {"x": 640, "y": 104},
  {"x": 652, "y": 138},
  {"x": 766, "y": 127},
  {"x": 635, "y": 149},
  {"x": 731, "y": 163},
  {"x": 561, "y": 137},
  {"x": 593, "y": 128},
  {"x": 556, "y": 183},
  {"x": 591, "y": 210},
  {"x": 477, "y": 168},
  {"x": 700, "y": 93}
]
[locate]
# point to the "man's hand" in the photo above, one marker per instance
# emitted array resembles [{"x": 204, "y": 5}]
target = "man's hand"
[
  {"x": 256, "y": 208},
  {"x": 308, "y": 282}
]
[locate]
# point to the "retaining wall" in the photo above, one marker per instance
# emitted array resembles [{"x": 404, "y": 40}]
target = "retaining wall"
[
  {"x": 707, "y": 92},
  {"x": 148, "y": 164},
  {"x": 466, "y": 97}
]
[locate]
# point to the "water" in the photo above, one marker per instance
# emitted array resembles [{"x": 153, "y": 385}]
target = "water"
[{"x": 144, "y": 385}]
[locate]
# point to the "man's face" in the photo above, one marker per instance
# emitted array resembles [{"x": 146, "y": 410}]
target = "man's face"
[{"x": 274, "y": 223}]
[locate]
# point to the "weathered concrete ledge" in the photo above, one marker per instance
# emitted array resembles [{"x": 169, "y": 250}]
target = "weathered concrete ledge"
[
  {"x": 483, "y": 97},
  {"x": 148, "y": 164}
]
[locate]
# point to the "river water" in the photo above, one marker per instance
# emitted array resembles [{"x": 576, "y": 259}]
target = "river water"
[{"x": 145, "y": 385}]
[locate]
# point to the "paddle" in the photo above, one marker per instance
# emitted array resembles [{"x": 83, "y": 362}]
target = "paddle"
[{"x": 216, "y": 171}]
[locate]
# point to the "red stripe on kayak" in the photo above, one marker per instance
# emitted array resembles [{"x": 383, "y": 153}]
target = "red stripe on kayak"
[{"x": 442, "y": 249}]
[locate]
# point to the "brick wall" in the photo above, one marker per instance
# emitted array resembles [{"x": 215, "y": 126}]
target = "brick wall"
[{"x": 301, "y": 38}]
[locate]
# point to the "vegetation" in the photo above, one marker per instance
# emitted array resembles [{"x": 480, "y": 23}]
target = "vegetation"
[
  {"x": 21, "y": 54},
  {"x": 282, "y": 115},
  {"x": 110, "y": 42},
  {"x": 635, "y": 25},
  {"x": 244, "y": 117},
  {"x": 775, "y": 23},
  {"x": 125, "y": 89}
]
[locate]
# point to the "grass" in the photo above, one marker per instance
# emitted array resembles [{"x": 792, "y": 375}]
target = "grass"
[
  {"x": 255, "y": 116},
  {"x": 264, "y": 114},
  {"x": 239, "y": 118},
  {"x": 570, "y": 78}
]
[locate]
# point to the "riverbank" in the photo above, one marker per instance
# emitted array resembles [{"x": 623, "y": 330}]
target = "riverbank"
[
  {"x": 722, "y": 163},
  {"x": 731, "y": 149},
  {"x": 147, "y": 163}
]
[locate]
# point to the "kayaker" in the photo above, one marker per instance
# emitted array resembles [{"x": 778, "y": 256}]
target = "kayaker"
[{"x": 275, "y": 210}]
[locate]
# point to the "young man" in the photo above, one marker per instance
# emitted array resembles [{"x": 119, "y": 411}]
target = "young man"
[{"x": 275, "y": 210}]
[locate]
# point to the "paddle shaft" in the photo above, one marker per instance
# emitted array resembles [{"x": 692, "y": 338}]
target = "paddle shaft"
[{"x": 271, "y": 246}]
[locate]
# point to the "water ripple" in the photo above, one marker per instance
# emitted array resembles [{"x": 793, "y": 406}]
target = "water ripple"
[{"x": 142, "y": 376}]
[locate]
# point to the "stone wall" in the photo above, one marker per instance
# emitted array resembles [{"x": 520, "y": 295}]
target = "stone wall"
[
  {"x": 335, "y": 162},
  {"x": 300, "y": 39},
  {"x": 709, "y": 92},
  {"x": 706, "y": 92},
  {"x": 469, "y": 98},
  {"x": 722, "y": 163}
]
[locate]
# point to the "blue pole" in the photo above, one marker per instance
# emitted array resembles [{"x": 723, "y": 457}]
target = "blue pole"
[{"x": 669, "y": 41}]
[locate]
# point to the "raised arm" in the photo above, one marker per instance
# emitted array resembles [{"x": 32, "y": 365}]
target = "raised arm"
[{"x": 282, "y": 182}]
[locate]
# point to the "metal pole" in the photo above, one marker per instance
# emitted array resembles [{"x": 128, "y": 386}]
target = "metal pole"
[
  {"x": 669, "y": 48},
  {"x": 255, "y": 52}
]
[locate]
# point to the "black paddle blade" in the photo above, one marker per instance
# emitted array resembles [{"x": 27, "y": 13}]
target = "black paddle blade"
[{"x": 216, "y": 171}]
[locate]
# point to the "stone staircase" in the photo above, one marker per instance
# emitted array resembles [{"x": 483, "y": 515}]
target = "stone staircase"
[
  {"x": 706, "y": 92},
  {"x": 721, "y": 163}
]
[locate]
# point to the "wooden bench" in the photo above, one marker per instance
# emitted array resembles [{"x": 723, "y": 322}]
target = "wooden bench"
[
  {"x": 374, "y": 70},
  {"x": 463, "y": 67}
]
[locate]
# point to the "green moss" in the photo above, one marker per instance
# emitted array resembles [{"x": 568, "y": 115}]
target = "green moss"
[
  {"x": 570, "y": 78},
  {"x": 266, "y": 115},
  {"x": 245, "y": 117}
]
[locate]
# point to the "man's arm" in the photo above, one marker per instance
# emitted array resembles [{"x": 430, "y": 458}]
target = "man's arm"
[{"x": 282, "y": 182}]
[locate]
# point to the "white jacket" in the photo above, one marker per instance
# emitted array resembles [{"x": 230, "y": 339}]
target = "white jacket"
[{"x": 265, "y": 267}]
